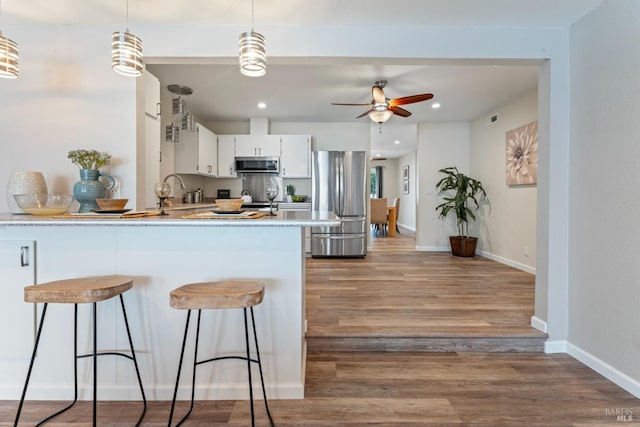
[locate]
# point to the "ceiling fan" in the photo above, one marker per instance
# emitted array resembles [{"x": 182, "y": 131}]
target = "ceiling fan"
[{"x": 382, "y": 108}]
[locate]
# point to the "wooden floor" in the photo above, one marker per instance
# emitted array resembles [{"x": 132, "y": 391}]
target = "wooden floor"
[
  {"x": 400, "y": 299},
  {"x": 408, "y": 296}
]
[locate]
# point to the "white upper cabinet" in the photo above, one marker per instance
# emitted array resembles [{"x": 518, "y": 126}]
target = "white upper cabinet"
[
  {"x": 152, "y": 145},
  {"x": 197, "y": 152},
  {"x": 295, "y": 158},
  {"x": 151, "y": 95},
  {"x": 227, "y": 156},
  {"x": 257, "y": 145}
]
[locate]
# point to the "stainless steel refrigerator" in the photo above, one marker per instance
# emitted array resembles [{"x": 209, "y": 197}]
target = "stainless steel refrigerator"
[{"x": 340, "y": 185}]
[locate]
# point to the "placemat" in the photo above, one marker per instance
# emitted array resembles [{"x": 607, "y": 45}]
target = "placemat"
[{"x": 249, "y": 215}]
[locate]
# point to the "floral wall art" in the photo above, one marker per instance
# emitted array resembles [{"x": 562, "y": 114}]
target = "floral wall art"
[{"x": 522, "y": 155}]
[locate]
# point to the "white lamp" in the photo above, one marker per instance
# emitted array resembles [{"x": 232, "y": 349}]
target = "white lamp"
[
  {"x": 380, "y": 116},
  {"x": 9, "y": 57},
  {"x": 253, "y": 56},
  {"x": 126, "y": 52}
]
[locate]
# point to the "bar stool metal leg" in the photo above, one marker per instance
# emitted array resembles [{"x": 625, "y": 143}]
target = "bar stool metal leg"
[
  {"x": 33, "y": 358},
  {"x": 135, "y": 360},
  {"x": 175, "y": 390},
  {"x": 246, "y": 339},
  {"x": 94, "y": 354},
  {"x": 264, "y": 392}
]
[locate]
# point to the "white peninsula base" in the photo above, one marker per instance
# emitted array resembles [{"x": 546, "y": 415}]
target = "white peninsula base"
[{"x": 160, "y": 258}]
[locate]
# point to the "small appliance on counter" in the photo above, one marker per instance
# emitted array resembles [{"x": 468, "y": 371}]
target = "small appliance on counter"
[{"x": 224, "y": 194}]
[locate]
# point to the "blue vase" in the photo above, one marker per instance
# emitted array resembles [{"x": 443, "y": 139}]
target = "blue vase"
[{"x": 89, "y": 188}]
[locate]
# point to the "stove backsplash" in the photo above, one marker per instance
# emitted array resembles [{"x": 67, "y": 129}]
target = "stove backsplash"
[{"x": 256, "y": 183}]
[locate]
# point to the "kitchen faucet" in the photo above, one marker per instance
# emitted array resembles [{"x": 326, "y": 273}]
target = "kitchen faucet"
[{"x": 178, "y": 177}]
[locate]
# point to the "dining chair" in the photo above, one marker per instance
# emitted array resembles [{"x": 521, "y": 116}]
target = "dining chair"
[{"x": 379, "y": 215}]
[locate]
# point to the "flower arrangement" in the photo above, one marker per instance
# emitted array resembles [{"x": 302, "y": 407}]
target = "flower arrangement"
[{"x": 89, "y": 159}]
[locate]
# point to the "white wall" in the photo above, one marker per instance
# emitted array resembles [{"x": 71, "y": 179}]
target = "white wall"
[
  {"x": 604, "y": 328},
  {"x": 507, "y": 222},
  {"x": 69, "y": 98},
  {"x": 440, "y": 145},
  {"x": 66, "y": 99},
  {"x": 407, "y": 213}
]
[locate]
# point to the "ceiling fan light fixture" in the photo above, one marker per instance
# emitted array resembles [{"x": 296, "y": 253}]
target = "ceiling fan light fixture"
[{"x": 380, "y": 116}]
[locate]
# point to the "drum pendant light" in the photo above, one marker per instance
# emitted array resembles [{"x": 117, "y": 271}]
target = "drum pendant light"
[
  {"x": 253, "y": 56},
  {"x": 126, "y": 52},
  {"x": 9, "y": 58}
]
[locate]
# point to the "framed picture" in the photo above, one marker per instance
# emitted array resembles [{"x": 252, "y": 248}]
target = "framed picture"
[
  {"x": 522, "y": 155},
  {"x": 405, "y": 179}
]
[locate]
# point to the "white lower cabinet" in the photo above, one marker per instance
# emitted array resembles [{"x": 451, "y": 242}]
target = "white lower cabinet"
[{"x": 17, "y": 318}]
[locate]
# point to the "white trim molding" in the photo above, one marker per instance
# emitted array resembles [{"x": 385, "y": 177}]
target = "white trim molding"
[
  {"x": 510, "y": 263},
  {"x": 539, "y": 324},
  {"x": 555, "y": 346},
  {"x": 604, "y": 369}
]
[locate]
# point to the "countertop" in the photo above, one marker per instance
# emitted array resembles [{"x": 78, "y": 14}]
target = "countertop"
[{"x": 175, "y": 218}]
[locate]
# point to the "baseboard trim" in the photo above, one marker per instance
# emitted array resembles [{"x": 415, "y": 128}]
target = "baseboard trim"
[
  {"x": 539, "y": 324},
  {"x": 509, "y": 262},
  {"x": 603, "y": 368},
  {"x": 433, "y": 248},
  {"x": 489, "y": 255},
  {"x": 555, "y": 346}
]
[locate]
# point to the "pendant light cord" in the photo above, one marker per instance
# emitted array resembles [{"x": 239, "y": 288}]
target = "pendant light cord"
[
  {"x": 251, "y": 15},
  {"x": 127, "y": 26}
]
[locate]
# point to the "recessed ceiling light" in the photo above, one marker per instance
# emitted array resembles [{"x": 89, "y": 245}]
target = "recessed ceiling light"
[
  {"x": 262, "y": 105},
  {"x": 435, "y": 105},
  {"x": 378, "y": 155},
  {"x": 396, "y": 142}
]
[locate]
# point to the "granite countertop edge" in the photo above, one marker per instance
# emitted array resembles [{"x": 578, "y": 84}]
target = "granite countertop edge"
[{"x": 283, "y": 219}]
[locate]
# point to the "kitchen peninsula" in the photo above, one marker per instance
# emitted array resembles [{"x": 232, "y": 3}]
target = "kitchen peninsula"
[{"x": 160, "y": 253}]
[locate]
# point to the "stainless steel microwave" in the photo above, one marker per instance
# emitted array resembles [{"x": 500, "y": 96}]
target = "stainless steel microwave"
[{"x": 258, "y": 164}]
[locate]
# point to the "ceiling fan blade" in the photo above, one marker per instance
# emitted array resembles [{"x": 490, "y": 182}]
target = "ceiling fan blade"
[
  {"x": 378, "y": 95},
  {"x": 410, "y": 99},
  {"x": 364, "y": 114},
  {"x": 355, "y": 105},
  {"x": 400, "y": 111}
]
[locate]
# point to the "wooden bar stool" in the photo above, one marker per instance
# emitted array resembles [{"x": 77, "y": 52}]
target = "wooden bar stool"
[
  {"x": 219, "y": 295},
  {"x": 79, "y": 291}
]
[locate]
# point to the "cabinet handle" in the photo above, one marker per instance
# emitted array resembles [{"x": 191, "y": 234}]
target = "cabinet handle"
[
  {"x": 24, "y": 256},
  {"x": 157, "y": 109}
]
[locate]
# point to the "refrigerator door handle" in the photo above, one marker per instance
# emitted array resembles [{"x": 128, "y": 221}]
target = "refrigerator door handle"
[
  {"x": 338, "y": 236},
  {"x": 351, "y": 218}
]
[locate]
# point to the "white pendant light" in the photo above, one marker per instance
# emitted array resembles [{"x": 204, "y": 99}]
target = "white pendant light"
[
  {"x": 126, "y": 52},
  {"x": 380, "y": 116},
  {"x": 253, "y": 56},
  {"x": 9, "y": 57}
]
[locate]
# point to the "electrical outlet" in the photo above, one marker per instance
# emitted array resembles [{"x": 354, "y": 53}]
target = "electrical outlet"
[{"x": 526, "y": 251}]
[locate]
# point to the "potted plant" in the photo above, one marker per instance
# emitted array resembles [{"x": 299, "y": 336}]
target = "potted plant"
[{"x": 460, "y": 190}]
